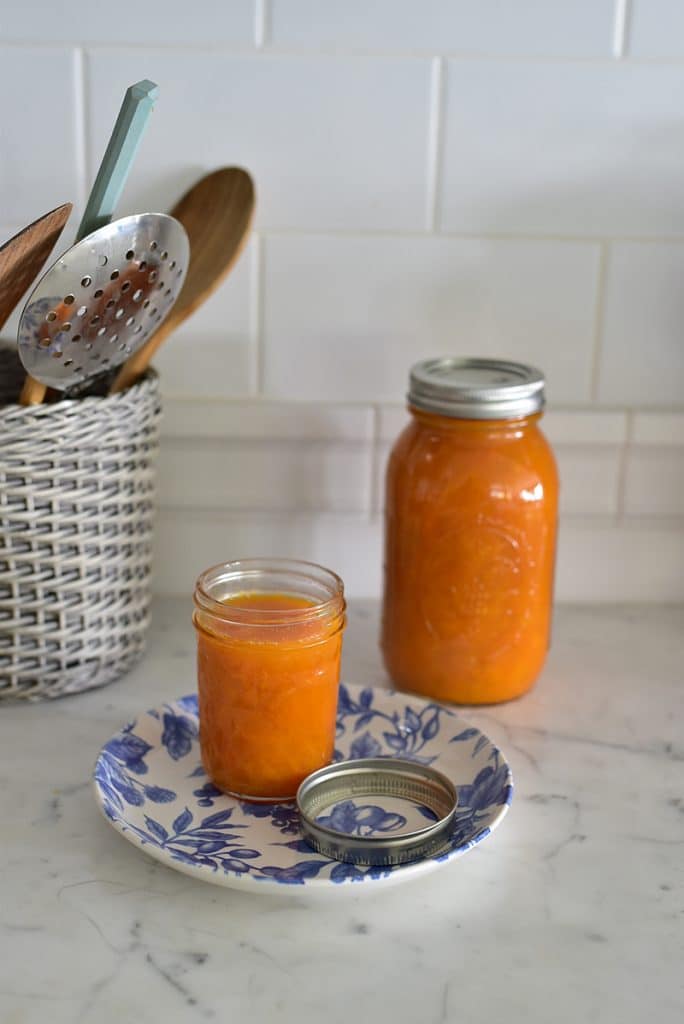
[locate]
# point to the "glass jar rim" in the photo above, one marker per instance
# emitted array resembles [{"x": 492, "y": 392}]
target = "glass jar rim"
[{"x": 250, "y": 569}]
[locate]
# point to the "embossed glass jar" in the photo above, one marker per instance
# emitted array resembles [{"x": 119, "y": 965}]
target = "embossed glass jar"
[{"x": 470, "y": 533}]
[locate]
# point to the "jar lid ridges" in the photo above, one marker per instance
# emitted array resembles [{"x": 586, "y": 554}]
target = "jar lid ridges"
[{"x": 477, "y": 389}]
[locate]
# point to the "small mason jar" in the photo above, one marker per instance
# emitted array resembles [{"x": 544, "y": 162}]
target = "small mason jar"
[
  {"x": 269, "y": 639},
  {"x": 470, "y": 533}
]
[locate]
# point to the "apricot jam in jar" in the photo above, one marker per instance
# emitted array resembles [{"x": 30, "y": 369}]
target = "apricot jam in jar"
[
  {"x": 269, "y": 639},
  {"x": 470, "y": 533}
]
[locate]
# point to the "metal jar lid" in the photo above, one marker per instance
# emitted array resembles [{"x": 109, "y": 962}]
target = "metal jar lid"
[
  {"x": 339, "y": 783},
  {"x": 476, "y": 389}
]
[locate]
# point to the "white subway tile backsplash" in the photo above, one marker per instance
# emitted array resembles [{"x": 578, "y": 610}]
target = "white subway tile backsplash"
[
  {"x": 642, "y": 357},
  {"x": 597, "y": 561},
  {"x": 391, "y": 421},
  {"x": 659, "y": 428},
  {"x": 237, "y": 475},
  {"x": 187, "y": 541},
  {"x": 209, "y": 367},
  {"x": 332, "y": 143},
  {"x": 551, "y": 174},
  {"x": 261, "y": 420},
  {"x": 584, "y": 427},
  {"x": 345, "y": 318},
  {"x": 563, "y": 148},
  {"x": 654, "y": 482},
  {"x": 38, "y": 140},
  {"x": 265, "y": 475},
  {"x": 178, "y": 23},
  {"x": 656, "y": 29},
  {"x": 588, "y": 479},
  {"x": 210, "y": 355},
  {"x": 382, "y": 454},
  {"x": 524, "y": 27}
]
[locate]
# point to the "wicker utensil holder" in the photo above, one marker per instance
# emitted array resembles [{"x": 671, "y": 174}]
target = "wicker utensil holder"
[{"x": 77, "y": 496}]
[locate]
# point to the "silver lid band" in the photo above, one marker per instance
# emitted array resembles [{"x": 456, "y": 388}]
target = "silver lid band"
[
  {"x": 476, "y": 389},
  {"x": 377, "y": 776}
]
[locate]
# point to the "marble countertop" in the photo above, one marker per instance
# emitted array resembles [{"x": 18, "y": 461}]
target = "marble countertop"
[{"x": 572, "y": 911}]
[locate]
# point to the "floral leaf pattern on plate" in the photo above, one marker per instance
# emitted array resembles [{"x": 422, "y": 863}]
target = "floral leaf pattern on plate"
[
  {"x": 361, "y": 819},
  {"x": 150, "y": 785},
  {"x": 179, "y": 733}
]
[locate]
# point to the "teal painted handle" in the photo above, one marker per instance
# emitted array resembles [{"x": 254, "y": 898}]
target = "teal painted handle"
[{"x": 118, "y": 159}]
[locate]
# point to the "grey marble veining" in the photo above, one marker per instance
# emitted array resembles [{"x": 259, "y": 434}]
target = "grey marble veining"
[{"x": 573, "y": 911}]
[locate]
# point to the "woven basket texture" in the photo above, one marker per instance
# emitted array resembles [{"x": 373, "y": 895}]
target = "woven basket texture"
[{"x": 77, "y": 499}]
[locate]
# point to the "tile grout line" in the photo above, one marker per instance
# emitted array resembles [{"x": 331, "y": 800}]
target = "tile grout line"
[
  {"x": 82, "y": 127},
  {"x": 406, "y": 234},
  {"x": 250, "y": 49},
  {"x": 259, "y": 514},
  {"x": 574, "y": 408},
  {"x": 220, "y": 514},
  {"x": 262, "y": 23},
  {"x": 599, "y": 316},
  {"x": 256, "y": 318},
  {"x": 435, "y": 144},
  {"x": 621, "y": 28}
]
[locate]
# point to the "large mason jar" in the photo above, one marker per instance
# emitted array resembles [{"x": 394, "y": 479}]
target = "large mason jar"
[{"x": 470, "y": 533}]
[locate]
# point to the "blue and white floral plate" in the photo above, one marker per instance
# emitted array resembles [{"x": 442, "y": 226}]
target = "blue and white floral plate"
[{"x": 151, "y": 787}]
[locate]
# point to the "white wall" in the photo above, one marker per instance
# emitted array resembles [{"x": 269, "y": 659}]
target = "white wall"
[{"x": 470, "y": 176}]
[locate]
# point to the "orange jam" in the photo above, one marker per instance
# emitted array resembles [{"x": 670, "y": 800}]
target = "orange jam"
[
  {"x": 268, "y": 666},
  {"x": 471, "y": 507}
]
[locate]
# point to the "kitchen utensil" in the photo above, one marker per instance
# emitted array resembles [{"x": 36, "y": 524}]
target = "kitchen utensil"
[
  {"x": 119, "y": 156},
  {"x": 111, "y": 178},
  {"x": 22, "y": 257},
  {"x": 217, "y": 214},
  {"x": 151, "y": 787},
  {"x": 102, "y": 299}
]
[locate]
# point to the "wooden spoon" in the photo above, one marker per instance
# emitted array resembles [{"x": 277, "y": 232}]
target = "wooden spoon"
[
  {"x": 22, "y": 257},
  {"x": 217, "y": 216}
]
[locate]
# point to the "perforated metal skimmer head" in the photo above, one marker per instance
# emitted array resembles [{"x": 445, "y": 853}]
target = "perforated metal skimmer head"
[{"x": 102, "y": 299}]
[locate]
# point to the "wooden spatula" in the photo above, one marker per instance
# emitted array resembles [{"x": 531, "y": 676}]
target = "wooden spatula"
[
  {"x": 22, "y": 257},
  {"x": 217, "y": 215}
]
